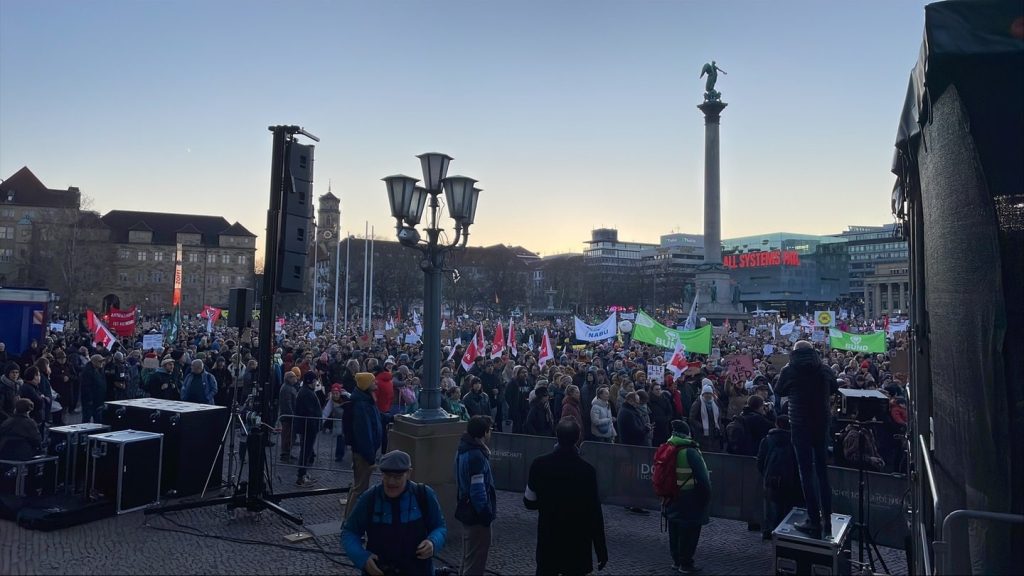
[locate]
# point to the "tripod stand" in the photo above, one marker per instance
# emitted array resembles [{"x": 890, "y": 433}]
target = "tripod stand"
[
  {"x": 865, "y": 542},
  {"x": 254, "y": 494}
]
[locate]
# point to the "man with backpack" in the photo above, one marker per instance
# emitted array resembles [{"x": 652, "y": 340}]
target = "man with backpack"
[
  {"x": 681, "y": 480},
  {"x": 776, "y": 461},
  {"x": 745, "y": 432},
  {"x": 199, "y": 386}
]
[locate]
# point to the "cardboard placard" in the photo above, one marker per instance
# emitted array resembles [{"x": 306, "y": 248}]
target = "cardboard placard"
[
  {"x": 152, "y": 341},
  {"x": 739, "y": 368},
  {"x": 656, "y": 373},
  {"x": 900, "y": 361}
]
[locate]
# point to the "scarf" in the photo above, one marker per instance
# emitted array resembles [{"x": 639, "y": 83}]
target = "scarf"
[{"x": 704, "y": 415}]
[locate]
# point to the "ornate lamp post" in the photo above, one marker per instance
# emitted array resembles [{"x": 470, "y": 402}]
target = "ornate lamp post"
[{"x": 407, "y": 203}]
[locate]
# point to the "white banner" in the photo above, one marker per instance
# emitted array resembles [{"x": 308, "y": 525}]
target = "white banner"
[
  {"x": 152, "y": 341},
  {"x": 603, "y": 331},
  {"x": 787, "y": 328},
  {"x": 895, "y": 327}
]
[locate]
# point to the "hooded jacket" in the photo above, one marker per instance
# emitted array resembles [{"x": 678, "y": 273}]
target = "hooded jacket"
[
  {"x": 474, "y": 479},
  {"x": 691, "y": 508},
  {"x": 808, "y": 383},
  {"x": 366, "y": 430}
]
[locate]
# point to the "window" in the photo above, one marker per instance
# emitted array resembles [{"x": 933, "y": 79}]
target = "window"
[
  {"x": 225, "y": 259},
  {"x": 142, "y": 256},
  {"x": 211, "y": 258},
  {"x": 140, "y": 277},
  {"x": 192, "y": 278},
  {"x": 124, "y": 254},
  {"x": 193, "y": 257},
  {"x": 6, "y": 233},
  {"x": 225, "y": 279},
  {"x": 7, "y": 212},
  {"x": 242, "y": 259},
  {"x": 158, "y": 256},
  {"x": 122, "y": 277},
  {"x": 157, "y": 277},
  {"x": 6, "y": 254}
]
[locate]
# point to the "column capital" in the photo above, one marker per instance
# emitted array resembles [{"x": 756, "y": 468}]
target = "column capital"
[{"x": 712, "y": 111}]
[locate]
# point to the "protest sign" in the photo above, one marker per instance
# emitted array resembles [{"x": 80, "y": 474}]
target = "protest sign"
[
  {"x": 152, "y": 341},
  {"x": 856, "y": 342},
  {"x": 768, "y": 349},
  {"x": 56, "y": 327},
  {"x": 588, "y": 333},
  {"x": 824, "y": 318},
  {"x": 739, "y": 368},
  {"x": 900, "y": 361},
  {"x": 656, "y": 373},
  {"x": 647, "y": 329}
]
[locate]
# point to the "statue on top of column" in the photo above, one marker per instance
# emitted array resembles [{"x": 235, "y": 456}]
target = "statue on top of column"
[{"x": 711, "y": 70}]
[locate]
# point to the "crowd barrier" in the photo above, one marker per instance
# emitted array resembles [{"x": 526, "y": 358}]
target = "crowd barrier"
[{"x": 624, "y": 479}]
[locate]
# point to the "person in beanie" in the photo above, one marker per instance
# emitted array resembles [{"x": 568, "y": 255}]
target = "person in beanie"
[
  {"x": 405, "y": 544},
  {"x": 477, "y": 500},
  {"x": 334, "y": 412},
  {"x": 366, "y": 436},
  {"x": 706, "y": 419},
  {"x": 539, "y": 421},
  {"x": 689, "y": 510},
  {"x": 570, "y": 527},
  {"x": 306, "y": 424}
]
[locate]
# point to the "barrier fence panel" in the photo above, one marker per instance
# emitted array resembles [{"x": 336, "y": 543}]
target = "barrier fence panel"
[
  {"x": 624, "y": 479},
  {"x": 323, "y": 452}
]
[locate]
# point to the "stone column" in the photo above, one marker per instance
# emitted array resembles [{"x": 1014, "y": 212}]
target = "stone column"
[
  {"x": 712, "y": 193},
  {"x": 877, "y": 304}
]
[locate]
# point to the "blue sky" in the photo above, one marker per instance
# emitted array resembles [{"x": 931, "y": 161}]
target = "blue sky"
[{"x": 572, "y": 114}]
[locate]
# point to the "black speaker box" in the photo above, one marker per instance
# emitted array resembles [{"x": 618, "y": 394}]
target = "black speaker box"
[{"x": 240, "y": 302}]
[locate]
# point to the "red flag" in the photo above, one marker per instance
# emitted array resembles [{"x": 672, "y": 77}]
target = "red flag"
[
  {"x": 122, "y": 322},
  {"x": 512, "y": 337},
  {"x": 545, "y": 353},
  {"x": 499, "y": 342},
  {"x": 100, "y": 333},
  {"x": 470, "y": 355},
  {"x": 677, "y": 363},
  {"x": 885, "y": 323}
]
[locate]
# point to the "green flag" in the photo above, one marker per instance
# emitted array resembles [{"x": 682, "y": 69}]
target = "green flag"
[
  {"x": 857, "y": 342},
  {"x": 649, "y": 330}
]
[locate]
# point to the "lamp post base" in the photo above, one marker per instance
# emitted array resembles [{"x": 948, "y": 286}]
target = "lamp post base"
[
  {"x": 432, "y": 447},
  {"x": 428, "y": 416}
]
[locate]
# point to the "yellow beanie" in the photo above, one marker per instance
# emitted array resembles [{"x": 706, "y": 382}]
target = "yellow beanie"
[{"x": 364, "y": 380}]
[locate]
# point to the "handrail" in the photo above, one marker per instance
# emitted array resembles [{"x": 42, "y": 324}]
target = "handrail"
[
  {"x": 956, "y": 517},
  {"x": 928, "y": 472}
]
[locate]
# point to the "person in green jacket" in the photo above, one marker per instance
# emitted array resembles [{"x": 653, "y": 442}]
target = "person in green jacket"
[{"x": 689, "y": 510}]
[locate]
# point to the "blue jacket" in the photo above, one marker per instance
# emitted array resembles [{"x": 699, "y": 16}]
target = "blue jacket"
[
  {"x": 365, "y": 426},
  {"x": 209, "y": 390},
  {"x": 375, "y": 507},
  {"x": 474, "y": 479}
]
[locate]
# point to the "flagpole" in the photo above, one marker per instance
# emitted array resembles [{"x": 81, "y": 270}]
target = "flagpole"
[
  {"x": 337, "y": 275},
  {"x": 370, "y": 304},
  {"x": 316, "y": 275},
  {"x": 348, "y": 254},
  {"x": 366, "y": 270}
]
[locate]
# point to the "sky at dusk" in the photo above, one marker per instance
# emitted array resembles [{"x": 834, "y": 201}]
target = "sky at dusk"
[{"x": 573, "y": 115}]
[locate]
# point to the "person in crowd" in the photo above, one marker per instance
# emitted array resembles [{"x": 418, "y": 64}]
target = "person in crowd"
[
  {"x": 571, "y": 406},
  {"x": 306, "y": 424},
  {"x": 286, "y": 410},
  {"x": 660, "y": 407},
  {"x": 602, "y": 424},
  {"x": 64, "y": 378},
  {"x": 19, "y": 434},
  {"x": 557, "y": 390},
  {"x": 55, "y": 417},
  {"x": 401, "y": 521},
  {"x": 477, "y": 502},
  {"x": 689, "y": 511},
  {"x": 755, "y": 424},
  {"x": 117, "y": 376},
  {"x": 477, "y": 402},
  {"x": 10, "y": 387},
  {"x": 645, "y": 415},
  {"x": 570, "y": 524},
  {"x": 632, "y": 430},
  {"x": 41, "y": 403},
  {"x": 776, "y": 461},
  {"x": 199, "y": 386},
  {"x": 366, "y": 436},
  {"x": 333, "y": 414},
  {"x": 94, "y": 389},
  {"x": 227, "y": 385},
  {"x": 809, "y": 385},
  {"x": 706, "y": 419},
  {"x": 452, "y": 404},
  {"x": 161, "y": 383},
  {"x": 517, "y": 394},
  {"x": 539, "y": 421}
]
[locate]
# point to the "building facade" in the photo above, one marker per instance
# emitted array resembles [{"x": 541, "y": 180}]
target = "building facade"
[
  {"x": 869, "y": 247},
  {"x": 216, "y": 256},
  {"x": 888, "y": 290},
  {"x": 613, "y": 269},
  {"x": 786, "y": 271}
]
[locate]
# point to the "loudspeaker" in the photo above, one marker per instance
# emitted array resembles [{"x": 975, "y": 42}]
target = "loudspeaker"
[
  {"x": 240, "y": 302},
  {"x": 296, "y": 224}
]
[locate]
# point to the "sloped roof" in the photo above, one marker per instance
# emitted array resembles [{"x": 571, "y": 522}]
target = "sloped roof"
[
  {"x": 140, "y": 226},
  {"x": 165, "y": 227},
  {"x": 237, "y": 229},
  {"x": 25, "y": 189}
]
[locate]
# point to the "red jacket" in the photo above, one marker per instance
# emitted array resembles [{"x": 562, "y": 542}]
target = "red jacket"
[{"x": 385, "y": 395}]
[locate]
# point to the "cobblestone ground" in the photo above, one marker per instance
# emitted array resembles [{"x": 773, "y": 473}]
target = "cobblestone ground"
[{"x": 186, "y": 542}]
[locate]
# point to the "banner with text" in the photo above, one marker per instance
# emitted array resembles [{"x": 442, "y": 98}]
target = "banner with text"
[
  {"x": 857, "y": 342},
  {"x": 603, "y": 331},
  {"x": 122, "y": 322},
  {"x": 649, "y": 330}
]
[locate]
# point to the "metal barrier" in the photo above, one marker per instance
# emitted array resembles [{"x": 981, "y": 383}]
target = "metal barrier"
[
  {"x": 926, "y": 521},
  {"x": 624, "y": 479},
  {"x": 943, "y": 559}
]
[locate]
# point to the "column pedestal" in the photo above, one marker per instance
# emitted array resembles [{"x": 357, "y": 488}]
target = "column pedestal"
[{"x": 432, "y": 448}]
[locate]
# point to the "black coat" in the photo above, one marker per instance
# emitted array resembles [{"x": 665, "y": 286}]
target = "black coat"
[
  {"x": 809, "y": 385},
  {"x": 477, "y": 403},
  {"x": 308, "y": 406},
  {"x": 756, "y": 426},
  {"x": 570, "y": 528},
  {"x": 19, "y": 438},
  {"x": 631, "y": 426},
  {"x": 776, "y": 461},
  {"x": 539, "y": 421},
  {"x": 40, "y": 406},
  {"x": 662, "y": 412}
]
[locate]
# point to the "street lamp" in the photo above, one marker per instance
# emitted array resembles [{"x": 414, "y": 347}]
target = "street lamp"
[{"x": 408, "y": 201}]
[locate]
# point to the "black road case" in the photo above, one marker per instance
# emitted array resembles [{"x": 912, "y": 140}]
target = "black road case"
[
  {"x": 798, "y": 553},
  {"x": 125, "y": 468},
  {"x": 70, "y": 444},
  {"x": 23, "y": 478}
]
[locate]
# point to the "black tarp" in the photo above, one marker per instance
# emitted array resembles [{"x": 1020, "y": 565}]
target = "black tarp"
[{"x": 959, "y": 163}]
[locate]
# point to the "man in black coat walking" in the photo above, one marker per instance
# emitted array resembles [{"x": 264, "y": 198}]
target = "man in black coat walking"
[
  {"x": 563, "y": 488},
  {"x": 306, "y": 423},
  {"x": 809, "y": 384},
  {"x": 632, "y": 430}
]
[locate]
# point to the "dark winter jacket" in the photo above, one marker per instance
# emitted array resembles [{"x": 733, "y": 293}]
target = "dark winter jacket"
[
  {"x": 660, "y": 407},
  {"x": 570, "y": 527},
  {"x": 517, "y": 397},
  {"x": 557, "y": 395},
  {"x": 691, "y": 508},
  {"x": 776, "y": 461},
  {"x": 309, "y": 412},
  {"x": 808, "y": 384},
  {"x": 475, "y": 481},
  {"x": 539, "y": 421},
  {"x": 94, "y": 386},
  {"x": 19, "y": 438},
  {"x": 477, "y": 403},
  {"x": 756, "y": 427},
  {"x": 631, "y": 426},
  {"x": 8, "y": 395},
  {"x": 366, "y": 428},
  {"x": 40, "y": 407},
  {"x": 571, "y": 409}
]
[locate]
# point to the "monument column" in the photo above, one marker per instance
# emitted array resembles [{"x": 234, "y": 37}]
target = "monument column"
[{"x": 712, "y": 183}]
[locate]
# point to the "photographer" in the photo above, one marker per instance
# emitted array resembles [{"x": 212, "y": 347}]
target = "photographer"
[{"x": 402, "y": 545}]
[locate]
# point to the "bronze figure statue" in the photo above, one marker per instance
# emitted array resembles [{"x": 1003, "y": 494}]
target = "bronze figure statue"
[{"x": 711, "y": 70}]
